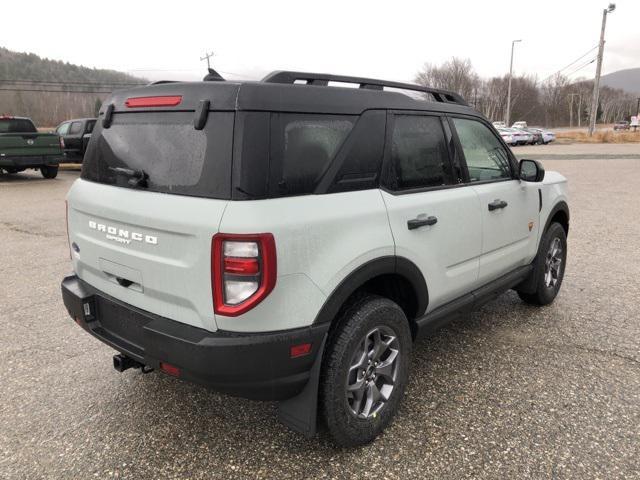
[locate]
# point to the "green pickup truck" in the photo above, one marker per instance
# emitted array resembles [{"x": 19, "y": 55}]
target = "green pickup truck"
[{"x": 22, "y": 147}]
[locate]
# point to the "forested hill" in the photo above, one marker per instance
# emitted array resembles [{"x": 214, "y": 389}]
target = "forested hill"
[{"x": 50, "y": 91}]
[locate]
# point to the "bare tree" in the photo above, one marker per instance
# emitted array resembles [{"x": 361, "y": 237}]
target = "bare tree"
[{"x": 456, "y": 74}]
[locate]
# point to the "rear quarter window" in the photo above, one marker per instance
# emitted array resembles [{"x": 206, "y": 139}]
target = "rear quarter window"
[
  {"x": 302, "y": 147},
  {"x": 285, "y": 154}
]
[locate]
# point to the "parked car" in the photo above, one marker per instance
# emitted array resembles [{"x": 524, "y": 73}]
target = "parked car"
[
  {"x": 621, "y": 125},
  {"x": 22, "y": 147},
  {"x": 535, "y": 137},
  {"x": 76, "y": 134},
  {"x": 507, "y": 136},
  {"x": 499, "y": 124},
  {"x": 547, "y": 136},
  {"x": 286, "y": 241},
  {"x": 520, "y": 125},
  {"x": 519, "y": 137}
]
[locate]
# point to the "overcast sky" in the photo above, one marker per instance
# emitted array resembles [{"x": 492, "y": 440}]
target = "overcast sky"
[{"x": 391, "y": 39}]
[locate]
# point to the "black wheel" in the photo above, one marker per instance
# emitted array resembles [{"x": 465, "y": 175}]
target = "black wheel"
[
  {"x": 365, "y": 370},
  {"x": 49, "y": 171},
  {"x": 549, "y": 266}
]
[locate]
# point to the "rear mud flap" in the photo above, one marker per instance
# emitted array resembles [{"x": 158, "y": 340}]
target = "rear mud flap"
[{"x": 300, "y": 413}]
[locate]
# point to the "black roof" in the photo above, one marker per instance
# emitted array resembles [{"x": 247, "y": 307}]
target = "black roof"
[{"x": 298, "y": 92}]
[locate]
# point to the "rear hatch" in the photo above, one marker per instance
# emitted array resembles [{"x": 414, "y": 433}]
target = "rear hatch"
[
  {"x": 151, "y": 196},
  {"x": 18, "y": 137}
]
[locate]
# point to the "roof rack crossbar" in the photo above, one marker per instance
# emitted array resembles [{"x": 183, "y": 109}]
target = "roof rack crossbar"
[{"x": 322, "y": 79}]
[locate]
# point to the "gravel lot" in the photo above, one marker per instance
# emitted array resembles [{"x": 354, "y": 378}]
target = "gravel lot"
[{"x": 511, "y": 391}]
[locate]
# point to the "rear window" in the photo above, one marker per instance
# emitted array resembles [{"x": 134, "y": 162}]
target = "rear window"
[
  {"x": 17, "y": 125},
  {"x": 176, "y": 157}
]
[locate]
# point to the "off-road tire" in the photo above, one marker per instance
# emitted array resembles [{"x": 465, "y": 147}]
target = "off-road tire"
[
  {"x": 365, "y": 314},
  {"x": 545, "y": 294},
  {"x": 49, "y": 171}
]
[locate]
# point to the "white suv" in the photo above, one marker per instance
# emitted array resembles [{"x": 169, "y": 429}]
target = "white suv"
[{"x": 289, "y": 240}]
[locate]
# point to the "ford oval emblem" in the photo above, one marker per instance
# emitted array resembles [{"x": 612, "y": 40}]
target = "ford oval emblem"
[{"x": 30, "y": 142}]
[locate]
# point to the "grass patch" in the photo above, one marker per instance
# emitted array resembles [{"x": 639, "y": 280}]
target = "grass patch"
[{"x": 608, "y": 136}]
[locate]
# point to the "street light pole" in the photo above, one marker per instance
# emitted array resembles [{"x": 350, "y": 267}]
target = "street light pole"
[
  {"x": 596, "y": 83},
  {"x": 508, "y": 113}
]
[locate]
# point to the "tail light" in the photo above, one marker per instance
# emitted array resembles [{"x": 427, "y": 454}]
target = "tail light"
[
  {"x": 61, "y": 142},
  {"x": 243, "y": 271}
]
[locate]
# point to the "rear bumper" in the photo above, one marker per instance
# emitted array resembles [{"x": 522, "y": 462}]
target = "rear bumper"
[
  {"x": 31, "y": 161},
  {"x": 256, "y": 365}
]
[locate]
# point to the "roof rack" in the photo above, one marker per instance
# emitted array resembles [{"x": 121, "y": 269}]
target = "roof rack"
[{"x": 322, "y": 79}]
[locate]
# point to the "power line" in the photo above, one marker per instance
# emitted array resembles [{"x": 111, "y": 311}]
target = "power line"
[
  {"x": 570, "y": 64},
  {"x": 581, "y": 67},
  {"x": 52, "y": 91},
  {"x": 56, "y": 82}
]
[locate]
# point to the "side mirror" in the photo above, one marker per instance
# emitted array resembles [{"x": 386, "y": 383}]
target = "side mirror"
[{"x": 531, "y": 171}]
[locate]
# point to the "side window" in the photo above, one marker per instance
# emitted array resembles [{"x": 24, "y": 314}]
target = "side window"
[
  {"x": 90, "y": 125},
  {"x": 63, "y": 129},
  {"x": 76, "y": 127},
  {"x": 302, "y": 147},
  {"x": 486, "y": 158},
  {"x": 419, "y": 155}
]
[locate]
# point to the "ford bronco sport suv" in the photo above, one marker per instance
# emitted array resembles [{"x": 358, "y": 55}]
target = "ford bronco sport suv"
[{"x": 290, "y": 239}]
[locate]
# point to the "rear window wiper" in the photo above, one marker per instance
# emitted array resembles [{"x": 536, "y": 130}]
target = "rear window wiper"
[{"x": 137, "y": 178}]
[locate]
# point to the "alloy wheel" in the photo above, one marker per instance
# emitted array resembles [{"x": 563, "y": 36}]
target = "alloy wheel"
[
  {"x": 373, "y": 372},
  {"x": 553, "y": 264}
]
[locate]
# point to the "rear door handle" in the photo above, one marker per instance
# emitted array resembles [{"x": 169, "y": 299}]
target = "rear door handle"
[
  {"x": 421, "y": 222},
  {"x": 496, "y": 204}
]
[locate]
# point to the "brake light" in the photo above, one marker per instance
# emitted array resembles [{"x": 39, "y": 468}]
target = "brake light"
[
  {"x": 243, "y": 271},
  {"x": 61, "y": 142},
  {"x": 164, "y": 101}
]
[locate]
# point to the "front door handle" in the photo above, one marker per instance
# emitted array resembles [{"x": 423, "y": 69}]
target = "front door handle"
[
  {"x": 496, "y": 204},
  {"x": 421, "y": 222}
]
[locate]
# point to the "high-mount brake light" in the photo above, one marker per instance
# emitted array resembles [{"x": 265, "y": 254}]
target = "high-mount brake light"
[
  {"x": 243, "y": 271},
  {"x": 163, "y": 101}
]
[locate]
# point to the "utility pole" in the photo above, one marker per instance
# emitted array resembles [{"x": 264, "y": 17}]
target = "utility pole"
[
  {"x": 206, "y": 57},
  {"x": 508, "y": 113},
  {"x": 596, "y": 83}
]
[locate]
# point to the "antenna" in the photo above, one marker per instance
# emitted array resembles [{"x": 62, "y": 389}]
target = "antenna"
[{"x": 206, "y": 57}]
